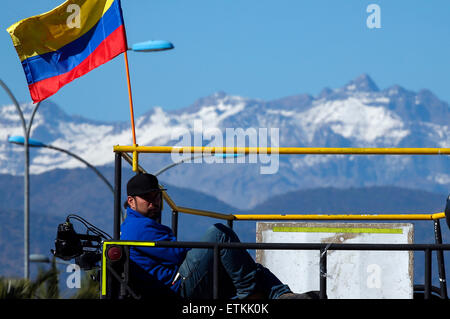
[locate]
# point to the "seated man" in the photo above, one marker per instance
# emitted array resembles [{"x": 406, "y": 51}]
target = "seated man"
[{"x": 188, "y": 272}]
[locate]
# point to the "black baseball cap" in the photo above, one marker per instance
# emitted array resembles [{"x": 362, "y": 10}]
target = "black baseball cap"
[{"x": 142, "y": 183}]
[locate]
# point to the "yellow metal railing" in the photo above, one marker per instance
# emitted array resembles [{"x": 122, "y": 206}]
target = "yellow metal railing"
[
  {"x": 278, "y": 150},
  {"x": 283, "y": 150},
  {"x": 431, "y": 216}
]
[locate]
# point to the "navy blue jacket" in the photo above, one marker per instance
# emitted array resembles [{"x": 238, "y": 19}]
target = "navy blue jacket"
[{"x": 161, "y": 263}]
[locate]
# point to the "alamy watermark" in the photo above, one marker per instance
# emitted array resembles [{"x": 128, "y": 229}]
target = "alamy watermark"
[
  {"x": 74, "y": 19},
  {"x": 261, "y": 138},
  {"x": 374, "y": 19},
  {"x": 374, "y": 276},
  {"x": 74, "y": 278}
]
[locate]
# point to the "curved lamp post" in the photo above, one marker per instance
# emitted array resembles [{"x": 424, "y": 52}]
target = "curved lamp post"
[
  {"x": 192, "y": 157},
  {"x": 183, "y": 160},
  {"x": 19, "y": 140},
  {"x": 149, "y": 46},
  {"x": 39, "y": 258},
  {"x": 26, "y": 205},
  {"x": 34, "y": 143}
]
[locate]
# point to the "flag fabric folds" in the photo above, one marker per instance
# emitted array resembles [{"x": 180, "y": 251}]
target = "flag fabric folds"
[{"x": 67, "y": 42}]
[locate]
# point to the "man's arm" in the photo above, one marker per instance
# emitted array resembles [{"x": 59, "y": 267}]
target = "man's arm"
[{"x": 168, "y": 254}]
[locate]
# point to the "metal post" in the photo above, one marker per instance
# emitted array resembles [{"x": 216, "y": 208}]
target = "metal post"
[
  {"x": 440, "y": 259},
  {"x": 427, "y": 290},
  {"x": 26, "y": 186},
  {"x": 126, "y": 273},
  {"x": 27, "y": 191},
  {"x": 216, "y": 272},
  {"x": 175, "y": 222},
  {"x": 26, "y": 222},
  {"x": 323, "y": 273},
  {"x": 117, "y": 193}
]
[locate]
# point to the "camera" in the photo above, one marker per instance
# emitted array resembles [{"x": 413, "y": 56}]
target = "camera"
[{"x": 84, "y": 248}]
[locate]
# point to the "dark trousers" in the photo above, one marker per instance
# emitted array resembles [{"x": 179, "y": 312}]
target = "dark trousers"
[{"x": 239, "y": 275}]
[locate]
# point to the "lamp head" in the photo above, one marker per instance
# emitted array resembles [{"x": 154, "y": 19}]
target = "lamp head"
[
  {"x": 20, "y": 140},
  {"x": 153, "y": 45}
]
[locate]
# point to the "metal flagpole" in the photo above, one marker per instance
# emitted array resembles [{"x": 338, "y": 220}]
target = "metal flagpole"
[{"x": 130, "y": 96}]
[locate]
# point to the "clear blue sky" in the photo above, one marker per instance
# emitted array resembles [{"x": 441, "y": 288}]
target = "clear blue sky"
[{"x": 263, "y": 49}]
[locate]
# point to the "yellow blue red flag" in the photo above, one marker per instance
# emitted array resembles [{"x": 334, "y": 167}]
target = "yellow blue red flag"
[{"x": 67, "y": 42}]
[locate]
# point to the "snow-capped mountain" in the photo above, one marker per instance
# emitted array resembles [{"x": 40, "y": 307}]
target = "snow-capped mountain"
[{"x": 356, "y": 115}]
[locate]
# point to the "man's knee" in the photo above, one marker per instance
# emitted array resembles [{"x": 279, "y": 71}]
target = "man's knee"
[{"x": 221, "y": 233}]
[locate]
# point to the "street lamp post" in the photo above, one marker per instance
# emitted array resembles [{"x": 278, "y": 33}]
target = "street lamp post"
[
  {"x": 183, "y": 160},
  {"x": 34, "y": 143},
  {"x": 192, "y": 157},
  {"x": 26, "y": 205},
  {"x": 149, "y": 46},
  {"x": 39, "y": 258},
  {"x": 19, "y": 140}
]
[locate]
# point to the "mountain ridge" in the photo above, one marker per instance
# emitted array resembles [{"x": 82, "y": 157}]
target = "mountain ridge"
[{"x": 359, "y": 114}]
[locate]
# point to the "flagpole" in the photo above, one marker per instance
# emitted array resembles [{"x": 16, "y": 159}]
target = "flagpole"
[{"x": 130, "y": 97}]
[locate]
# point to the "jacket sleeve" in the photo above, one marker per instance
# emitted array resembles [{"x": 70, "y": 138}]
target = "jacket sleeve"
[{"x": 164, "y": 254}]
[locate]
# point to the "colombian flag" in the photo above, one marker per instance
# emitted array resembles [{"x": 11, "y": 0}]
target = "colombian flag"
[{"x": 67, "y": 42}]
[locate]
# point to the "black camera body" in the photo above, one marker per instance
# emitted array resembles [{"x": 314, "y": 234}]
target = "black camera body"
[
  {"x": 67, "y": 242},
  {"x": 85, "y": 248}
]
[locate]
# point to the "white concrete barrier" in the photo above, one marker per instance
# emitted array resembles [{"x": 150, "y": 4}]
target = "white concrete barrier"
[{"x": 350, "y": 274}]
